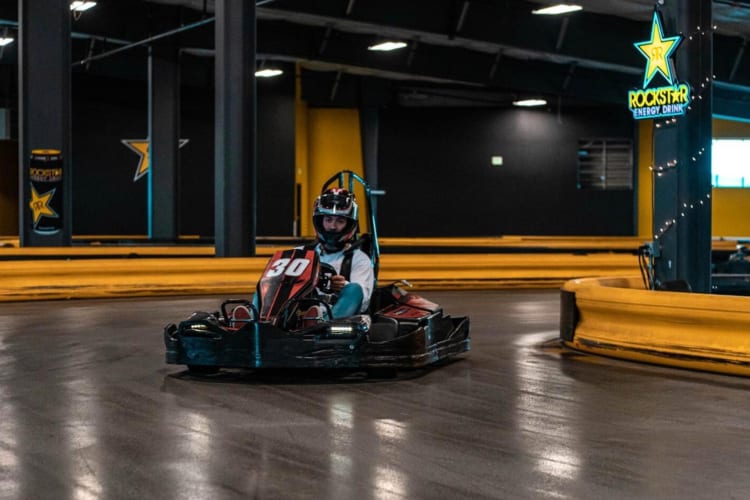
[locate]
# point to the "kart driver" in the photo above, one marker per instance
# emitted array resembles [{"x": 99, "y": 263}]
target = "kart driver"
[{"x": 335, "y": 222}]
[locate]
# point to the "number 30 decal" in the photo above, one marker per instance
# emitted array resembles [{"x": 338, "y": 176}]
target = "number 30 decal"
[{"x": 284, "y": 266}]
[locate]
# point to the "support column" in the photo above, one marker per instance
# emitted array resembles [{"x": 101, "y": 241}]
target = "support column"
[
  {"x": 44, "y": 181},
  {"x": 369, "y": 122},
  {"x": 369, "y": 127},
  {"x": 682, "y": 207},
  {"x": 235, "y": 129},
  {"x": 164, "y": 137}
]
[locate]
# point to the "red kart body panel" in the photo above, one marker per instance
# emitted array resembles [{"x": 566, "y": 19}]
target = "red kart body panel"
[{"x": 290, "y": 274}]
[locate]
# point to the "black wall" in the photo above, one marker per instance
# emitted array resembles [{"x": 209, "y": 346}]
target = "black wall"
[
  {"x": 435, "y": 167},
  {"x": 107, "y": 201},
  {"x": 434, "y": 164},
  {"x": 276, "y": 155}
]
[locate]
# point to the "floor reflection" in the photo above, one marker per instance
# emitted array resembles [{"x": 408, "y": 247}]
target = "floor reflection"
[{"x": 89, "y": 410}]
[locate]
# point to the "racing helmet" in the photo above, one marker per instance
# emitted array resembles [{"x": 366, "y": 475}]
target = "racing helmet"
[{"x": 337, "y": 202}]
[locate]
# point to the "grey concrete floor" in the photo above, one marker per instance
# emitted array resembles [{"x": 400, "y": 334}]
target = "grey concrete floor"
[{"x": 89, "y": 410}]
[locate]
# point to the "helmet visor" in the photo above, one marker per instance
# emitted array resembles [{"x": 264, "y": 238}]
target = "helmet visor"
[{"x": 336, "y": 203}]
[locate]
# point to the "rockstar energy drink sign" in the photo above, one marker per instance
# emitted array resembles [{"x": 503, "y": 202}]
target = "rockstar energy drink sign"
[
  {"x": 657, "y": 102},
  {"x": 46, "y": 200}
]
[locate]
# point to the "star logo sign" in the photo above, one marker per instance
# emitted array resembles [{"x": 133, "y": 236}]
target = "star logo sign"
[
  {"x": 140, "y": 147},
  {"x": 39, "y": 205},
  {"x": 657, "y": 52}
]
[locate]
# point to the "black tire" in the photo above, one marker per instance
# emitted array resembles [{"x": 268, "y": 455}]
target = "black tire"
[
  {"x": 202, "y": 369},
  {"x": 382, "y": 331},
  {"x": 383, "y": 373}
]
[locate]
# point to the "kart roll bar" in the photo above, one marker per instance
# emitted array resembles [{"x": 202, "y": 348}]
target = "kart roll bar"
[{"x": 345, "y": 180}]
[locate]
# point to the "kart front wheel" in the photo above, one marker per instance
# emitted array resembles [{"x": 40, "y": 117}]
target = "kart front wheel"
[{"x": 202, "y": 369}]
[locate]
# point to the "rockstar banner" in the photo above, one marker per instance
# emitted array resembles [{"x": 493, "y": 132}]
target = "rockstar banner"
[
  {"x": 46, "y": 200},
  {"x": 670, "y": 100}
]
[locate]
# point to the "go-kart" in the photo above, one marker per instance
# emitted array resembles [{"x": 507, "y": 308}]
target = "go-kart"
[
  {"x": 400, "y": 330},
  {"x": 732, "y": 276}
]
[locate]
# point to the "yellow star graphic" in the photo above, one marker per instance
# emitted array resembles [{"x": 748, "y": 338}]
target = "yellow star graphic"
[
  {"x": 140, "y": 147},
  {"x": 39, "y": 205},
  {"x": 657, "y": 51}
]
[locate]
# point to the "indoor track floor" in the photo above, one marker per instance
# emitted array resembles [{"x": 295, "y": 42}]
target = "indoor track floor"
[{"x": 89, "y": 410}]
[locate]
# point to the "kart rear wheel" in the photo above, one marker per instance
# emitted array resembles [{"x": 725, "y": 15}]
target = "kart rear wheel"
[
  {"x": 382, "y": 373},
  {"x": 202, "y": 369}
]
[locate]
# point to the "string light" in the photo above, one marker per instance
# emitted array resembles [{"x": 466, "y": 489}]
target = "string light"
[
  {"x": 686, "y": 208},
  {"x": 698, "y": 31},
  {"x": 694, "y": 34},
  {"x": 662, "y": 168},
  {"x": 684, "y": 212},
  {"x": 670, "y": 164},
  {"x": 670, "y": 121}
]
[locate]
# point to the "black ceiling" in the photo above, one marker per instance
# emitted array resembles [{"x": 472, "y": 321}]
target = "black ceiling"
[{"x": 468, "y": 52}]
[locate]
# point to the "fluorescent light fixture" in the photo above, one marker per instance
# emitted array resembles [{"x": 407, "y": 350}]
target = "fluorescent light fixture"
[
  {"x": 5, "y": 41},
  {"x": 268, "y": 72},
  {"x": 387, "y": 46},
  {"x": 81, "y": 6},
  {"x": 561, "y": 8},
  {"x": 528, "y": 103}
]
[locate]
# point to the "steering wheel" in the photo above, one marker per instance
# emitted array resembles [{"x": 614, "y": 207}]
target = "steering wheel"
[{"x": 327, "y": 271}]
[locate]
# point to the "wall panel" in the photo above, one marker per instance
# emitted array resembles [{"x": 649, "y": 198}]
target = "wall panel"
[
  {"x": 109, "y": 201},
  {"x": 435, "y": 165}
]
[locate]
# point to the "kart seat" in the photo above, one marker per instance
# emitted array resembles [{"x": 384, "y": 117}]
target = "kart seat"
[
  {"x": 240, "y": 316},
  {"x": 364, "y": 243}
]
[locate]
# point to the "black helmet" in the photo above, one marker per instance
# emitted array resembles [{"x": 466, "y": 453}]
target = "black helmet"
[{"x": 340, "y": 203}]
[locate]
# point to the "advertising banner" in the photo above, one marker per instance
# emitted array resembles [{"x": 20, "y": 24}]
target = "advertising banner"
[{"x": 46, "y": 199}]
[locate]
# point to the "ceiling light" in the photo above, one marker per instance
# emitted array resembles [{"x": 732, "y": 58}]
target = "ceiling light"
[
  {"x": 554, "y": 10},
  {"x": 5, "y": 41},
  {"x": 268, "y": 72},
  {"x": 530, "y": 102},
  {"x": 386, "y": 46},
  {"x": 80, "y": 6}
]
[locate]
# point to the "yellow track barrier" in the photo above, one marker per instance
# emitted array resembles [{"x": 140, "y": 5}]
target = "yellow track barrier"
[
  {"x": 123, "y": 277},
  {"x": 97, "y": 245},
  {"x": 617, "y": 317}
]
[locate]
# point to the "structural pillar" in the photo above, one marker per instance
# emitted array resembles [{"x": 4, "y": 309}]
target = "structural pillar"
[
  {"x": 44, "y": 159},
  {"x": 235, "y": 128},
  {"x": 369, "y": 126},
  {"x": 164, "y": 137},
  {"x": 682, "y": 149}
]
